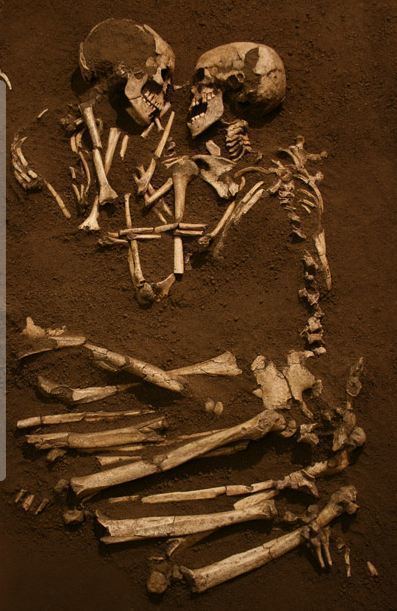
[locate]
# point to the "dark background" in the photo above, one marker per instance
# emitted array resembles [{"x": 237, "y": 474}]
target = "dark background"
[{"x": 341, "y": 67}]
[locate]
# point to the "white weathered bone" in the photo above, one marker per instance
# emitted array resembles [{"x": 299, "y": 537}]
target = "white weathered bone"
[
  {"x": 213, "y": 148},
  {"x": 108, "y": 461},
  {"x": 42, "y": 505},
  {"x": 41, "y": 340},
  {"x": 5, "y": 78},
  {"x": 147, "y": 131},
  {"x": 210, "y": 236},
  {"x": 58, "y": 199},
  {"x": 319, "y": 241},
  {"x": 42, "y": 113},
  {"x": 156, "y": 195},
  {"x": 106, "y": 193},
  {"x": 91, "y": 222},
  {"x": 124, "y": 146},
  {"x": 217, "y": 171},
  {"x": 161, "y": 289},
  {"x": 139, "y": 433},
  {"x": 77, "y": 396},
  {"x": 52, "y": 419},
  {"x": 274, "y": 388},
  {"x": 223, "y": 365},
  {"x": 246, "y": 207},
  {"x": 214, "y": 574},
  {"x": 114, "y": 361},
  {"x": 114, "y": 135},
  {"x": 255, "y": 428},
  {"x": 28, "y": 502},
  {"x": 175, "y": 526},
  {"x": 145, "y": 178},
  {"x": 372, "y": 570}
]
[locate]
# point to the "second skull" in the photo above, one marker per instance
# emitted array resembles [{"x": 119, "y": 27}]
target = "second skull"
[{"x": 248, "y": 73}]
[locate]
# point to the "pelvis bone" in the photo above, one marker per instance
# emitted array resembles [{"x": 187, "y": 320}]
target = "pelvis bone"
[
  {"x": 248, "y": 72},
  {"x": 121, "y": 51}
]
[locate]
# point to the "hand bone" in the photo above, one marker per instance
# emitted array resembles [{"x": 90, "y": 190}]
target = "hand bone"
[{"x": 214, "y": 574}]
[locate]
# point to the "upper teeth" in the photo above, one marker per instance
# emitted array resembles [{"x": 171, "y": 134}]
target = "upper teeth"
[{"x": 151, "y": 100}]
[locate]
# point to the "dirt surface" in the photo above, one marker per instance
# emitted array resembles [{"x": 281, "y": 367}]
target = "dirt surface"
[{"x": 341, "y": 64}]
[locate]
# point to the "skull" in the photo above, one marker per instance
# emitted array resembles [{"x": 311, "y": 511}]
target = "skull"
[
  {"x": 121, "y": 51},
  {"x": 248, "y": 73}
]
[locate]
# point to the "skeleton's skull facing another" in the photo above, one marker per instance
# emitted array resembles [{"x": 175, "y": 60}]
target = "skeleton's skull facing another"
[
  {"x": 119, "y": 50},
  {"x": 248, "y": 73}
]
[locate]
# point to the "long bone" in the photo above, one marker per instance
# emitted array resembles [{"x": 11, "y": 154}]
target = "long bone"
[
  {"x": 255, "y": 428},
  {"x": 182, "y": 173},
  {"x": 304, "y": 478},
  {"x": 176, "y": 526},
  {"x": 139, "y": 433},
  {"x": 113, "y": 361},
  {"x": 204, "y": 578},
  {"x": 54, "y": 419},
  {"x": 77, "y": 396},
  {"x": 143, "y": 290},
  {"x": 106, "y": 193},
  {"x": 217, "y": 171},
  {"x": 144, "y": 180}
]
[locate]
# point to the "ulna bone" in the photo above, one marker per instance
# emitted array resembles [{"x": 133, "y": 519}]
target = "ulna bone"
[
  {"x": 255, "y": 428},
  {"x": 175, "y": 526},
  {"x": 204, "y": 578},
  {"x": 223, "y": 365}
]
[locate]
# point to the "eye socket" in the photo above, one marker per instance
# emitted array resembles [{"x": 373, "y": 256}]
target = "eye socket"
[
  {"x": 165, "y": 74},
  {"x": 199, "y": 75},
  {"x": 234, "y": 80}
]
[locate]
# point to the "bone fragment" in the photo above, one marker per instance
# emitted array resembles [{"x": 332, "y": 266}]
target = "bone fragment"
[
  {"x": 353, "y": 384},
  {"x": 106, "y": 193},
  {"x": 223, "y": 365},
  {"x": 103, "y": 439},
  {"x": 162, "y": 289},
  {"x": 255, "y": 428},
  {"x": 77, "y": 396},
  {"x": 156, "y": 195},
  {"x": 114, "y": 135},
  {"x": 55, "y": 454},
  {"x": 42, "y": 340},
  {"x": 214, "y": 574},
  {"x": 107, "y": 461},
  {"x": 54, "y": 419},
  {"x": 160, "y": 128},
  {"x": 58, "y": 200},
  {"x": 28, "y": 502},
  {"x": 42, "y": 505},
  {"x": 213, "y": 148},
  {"x": 179, "y": 262},
  {"x": 182, "y": 173},
  {"x": 174, "y": 526},
  {"x": 319, "y": 241},
  {"x": 5, "y": 78},
  {"x": 147, "y": 131},
  {"x": 89, "y": 119},
  {"x": 20, "y": 495},
  {"x": 144, "y": 180},
  {"x": 134, "y": 261},
  {"x": 91, "y": 222},
  {"x": 73, "y": 517},
  {"x": 124, "y": 145},
  {"x": 372, "y": 570},
  {"x": 216, "y": 171},
  {"x": 42, "y": 113},
  {"x": 114, "y": 361},
  {"x": 243, "y": 209},
  {"x": 274, "y": 388}
]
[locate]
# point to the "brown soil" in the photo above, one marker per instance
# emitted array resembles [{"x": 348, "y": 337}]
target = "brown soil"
[{"x": 341, "y": 64}]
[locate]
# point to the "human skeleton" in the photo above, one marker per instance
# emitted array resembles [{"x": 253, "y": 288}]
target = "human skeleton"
[{"x": 142, "y": 63}]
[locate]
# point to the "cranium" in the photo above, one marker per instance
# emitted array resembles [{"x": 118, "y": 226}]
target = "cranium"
[
  {"x": 121, "y": 51},
  {"x": 247, "y": 72}
]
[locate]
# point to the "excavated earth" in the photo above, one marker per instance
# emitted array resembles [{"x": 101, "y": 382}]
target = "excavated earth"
[{"x": 341, "y": 65}]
